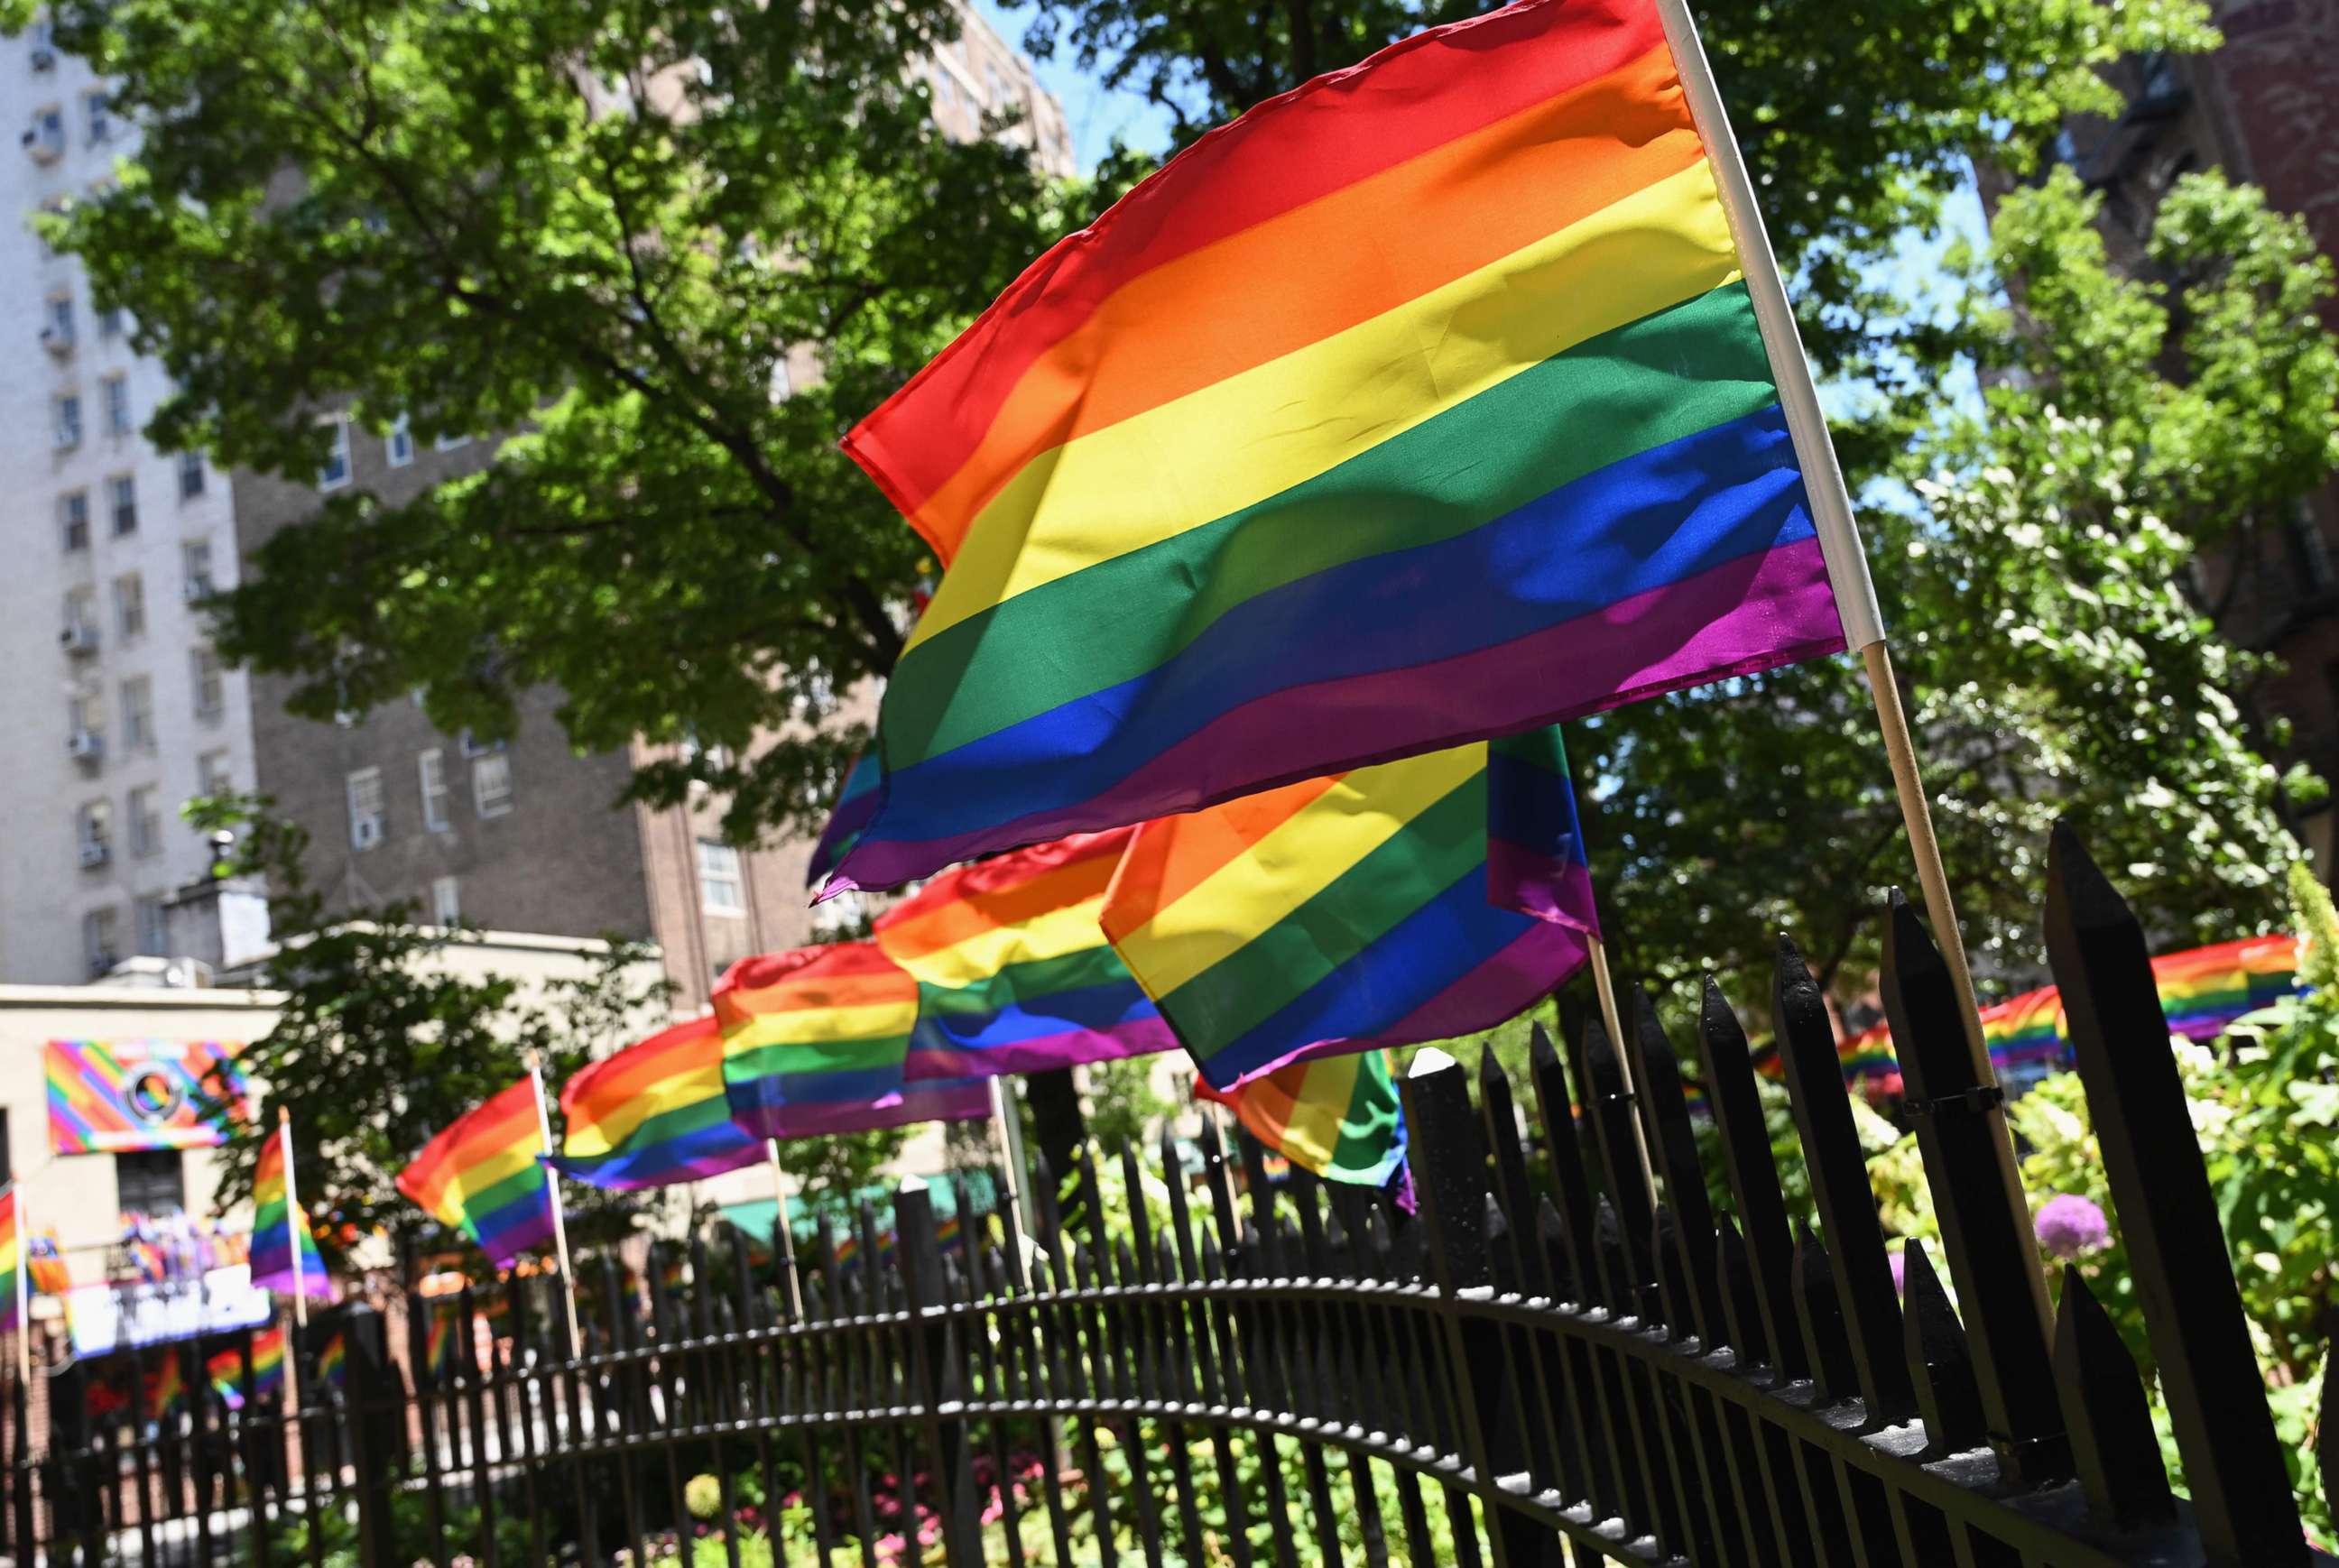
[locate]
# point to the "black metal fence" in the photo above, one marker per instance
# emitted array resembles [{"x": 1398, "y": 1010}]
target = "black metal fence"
[{"x": 1565, "y": 1356}]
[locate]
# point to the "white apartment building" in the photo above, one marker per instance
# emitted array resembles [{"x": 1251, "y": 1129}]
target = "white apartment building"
[{"x": 115, "y": 709}]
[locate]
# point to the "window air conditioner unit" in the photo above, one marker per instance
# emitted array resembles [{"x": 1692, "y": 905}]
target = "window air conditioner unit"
[
  {"x": 365, "y": 832},
  {"x": 67, "y": 438},
  {"x": 78, "y": 639},
  {"x": 43, "y": 148},
  {"x": 95, "y": 852},
  {"x": 44, "y": 59},
  {"x": 85, "y": 746},
  {"x": 56, "y": 342},
  {"x": 197, "y": 590}
]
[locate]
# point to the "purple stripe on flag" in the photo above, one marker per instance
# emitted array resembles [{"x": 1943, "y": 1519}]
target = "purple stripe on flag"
[
  {"x": 1137, "y": 1037},
  {"x": 1542, "y": 885}
]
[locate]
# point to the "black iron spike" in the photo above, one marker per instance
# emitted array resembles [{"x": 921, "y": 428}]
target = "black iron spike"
[
  {"x": 2209, "y": 1376},
  {"x": 1822, "y": 1313},
  {"x": 2110, "y": 1421},
  {"x": 1499, "y": 1116},
  {"x": 1660, "y": 1083},
  {"x": 1557, "y": 1111},
  {"x": 1869, "y": 1310},
  {"x": 1742, "y": 1301},
  {"x": 1627, "y": 1189},
  {"x": 1941, "y": 1362},
  {"x": 1754, "y": 1173}
]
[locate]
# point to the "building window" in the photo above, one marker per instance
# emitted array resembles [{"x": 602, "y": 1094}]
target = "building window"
[
  {"x": 153, "y": 927},
  {"x": 48, "y": 137},
  {"x": 491, "y": 785},
  {"x": 213, "y": 776},
  {"x": 196, "y": 567},
  {"x": 146, "y": 821},
  {"x": 118, "y": 421},
  {"x": 430, "y": 768},
  {"x": 101, "y": 940},
  {"x": 93, "y": 832},
  {"x": 100, "y": 118},
  {"x": 129, "y": 605},
  {"x": 57, "y": 323},
  {"x": 110, "y": 321},
  {"x": 365, "y": 808},
  {"x": 122, "y": 501},
  {"x": 471, "y": 745},
  {"x": 190, "y": 474},
  {"x": 451, "y": 443},
  {"x": 72, "y": 518},
  {"x": 151, "y": 1181},
  {"x": 138, "y": 714},
  {"x": 446, "y": 902},
  {"x": 719, "y": 885},
  {"x": 397, "y": 447},
  {"x": 81, "y": 619},
  {"x": 86, "y": 713},
  {"x": 336, "y": 471},
  {"x": 65, "y": 419},
  {"x": 211, "y": 686}
]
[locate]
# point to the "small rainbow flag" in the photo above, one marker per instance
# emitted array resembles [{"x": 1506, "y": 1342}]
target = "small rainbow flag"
[
  {"x": 1014, "y": 971},
  {"x": 654, "y": 1113},
  {"x": 14, "y": 1279},
  {"x": 856, "y": 802},
  {"x": 333, "y": 1363},
  {"x": 45, "y": 1260},
  {"x": 1413, "y": 901},
  {"x": 816, "y": 1040},
  {"x": 280, "y": 1226},
  {"x": 166, "y": 1385},
  {"x": 482, "y": 1174},
  {"x": 1338, "y": 1115},
  {"x": 1433, "y": 371}
]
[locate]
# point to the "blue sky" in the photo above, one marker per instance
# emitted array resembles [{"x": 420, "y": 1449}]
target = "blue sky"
[{"x": 1095, "y": 114}]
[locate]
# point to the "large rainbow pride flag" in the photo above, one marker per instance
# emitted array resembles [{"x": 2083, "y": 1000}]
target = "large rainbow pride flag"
[
  {"x": 816, "y": 1040},
  {"x": 654, "y": 1113},
  {"x": 279, "y": 1227},
  {"x": 482, "y": 1174},
  {"x": 1409, "y": 902},
  {"x": 1421, "y": 403},
  {"x": 1012, "y": 968}
]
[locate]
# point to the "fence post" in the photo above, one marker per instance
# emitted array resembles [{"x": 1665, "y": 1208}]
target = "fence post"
[
  {"x": 2234, "y": 1464},
  {"x": 1985, "y": 1219},
  {"x": 939, "y": 1381},
  {"x": 376, "y": 1422}
]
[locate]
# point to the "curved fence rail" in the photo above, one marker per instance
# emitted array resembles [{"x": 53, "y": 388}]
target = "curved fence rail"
[{"x": 1566, "y": 1352}]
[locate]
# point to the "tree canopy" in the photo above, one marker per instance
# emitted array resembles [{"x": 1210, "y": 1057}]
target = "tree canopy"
[{"x": 603, "y": 227}]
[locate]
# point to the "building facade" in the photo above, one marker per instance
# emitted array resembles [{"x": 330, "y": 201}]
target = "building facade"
[
  {"x": 122, "y": 713},
  {"x": 2264, "y": 108},
  {"x": 117, "y": 709}
]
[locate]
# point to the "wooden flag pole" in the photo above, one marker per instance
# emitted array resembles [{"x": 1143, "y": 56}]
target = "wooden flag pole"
[
  {"x": 292, "y": 1217},
  {"x": 1604, "y": 984},
  {"x": 1846, "y": 563},
  {"x": 785, "y": 1231},
  {"x": 552, "y": 1195},
  {"x": 24, "y": 1294},
  {"x": 1011, "y": 1148}
]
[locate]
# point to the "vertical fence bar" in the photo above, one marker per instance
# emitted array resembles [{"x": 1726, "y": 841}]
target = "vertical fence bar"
[{"x": 2176, "y": 1249}]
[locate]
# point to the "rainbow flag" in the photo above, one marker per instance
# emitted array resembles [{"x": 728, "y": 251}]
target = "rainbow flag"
[
  {"x": 166, "y": 1385},
  {"x": 482, "y": 1174},
  {"x": 45, "y": 1262},
  {"x": 333, "y": 1363},
  {"x": 654, "y": 1113},
  {"x": 106, "y": 1096},
  {"x": 1014, "y": 971},
  {"x": 816, "y": 1040},
  {"x": 856, "y": 802},
  {"x": 2025, "y": 1030},
  {"x": 2205, "y": 989},
  {"x": 1337, "y": 1115},
  {"x": 14, "y": 1281},
  {"x": 1378, "y": 907},
  {"x": 279, "y": 1226},
  {"x": 1421, "y": 403}
]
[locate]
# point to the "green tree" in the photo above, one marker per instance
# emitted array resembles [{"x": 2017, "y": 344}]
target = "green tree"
[{"x": 380, "y": 1043}]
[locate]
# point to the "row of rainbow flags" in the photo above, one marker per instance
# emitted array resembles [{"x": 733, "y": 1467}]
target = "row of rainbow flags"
[{"x": 1282, "y": 515}]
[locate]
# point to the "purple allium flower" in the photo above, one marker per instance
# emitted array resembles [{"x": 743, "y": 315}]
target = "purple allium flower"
[{"x": 2070, "y": 1226}]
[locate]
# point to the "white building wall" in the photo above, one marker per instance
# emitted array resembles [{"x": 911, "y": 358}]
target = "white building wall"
[{"x": 46, "y": 894}]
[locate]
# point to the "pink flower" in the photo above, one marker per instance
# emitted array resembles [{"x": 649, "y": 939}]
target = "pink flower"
[{"x": 2069, "y": 1225}]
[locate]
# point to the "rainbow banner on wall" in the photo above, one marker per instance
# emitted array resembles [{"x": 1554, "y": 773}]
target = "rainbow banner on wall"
[{"x": 109, "y": 1096}]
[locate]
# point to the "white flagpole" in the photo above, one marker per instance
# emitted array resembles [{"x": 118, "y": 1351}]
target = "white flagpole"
[
  {"x": 1846, "y": 563},
  {"x": 294, "y": 1221},
  {"x": 1604, "y": 984},
  {"x": 785, "y": 1231},
  {"x": 1004, "y": 1114},
  {"x": 552, "y": 1193},
  {"x": 24, "y": 1294}
]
